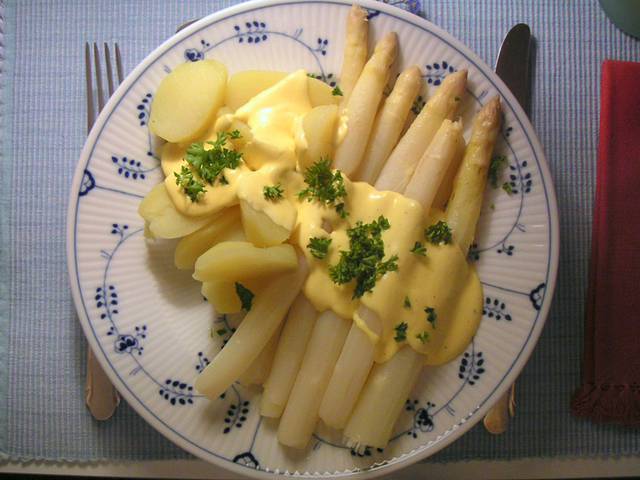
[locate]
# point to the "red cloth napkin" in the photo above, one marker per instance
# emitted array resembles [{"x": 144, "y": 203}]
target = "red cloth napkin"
[{"x": 610, "y": 391}]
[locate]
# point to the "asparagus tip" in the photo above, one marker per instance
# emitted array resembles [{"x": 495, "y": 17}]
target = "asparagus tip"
[
  {"x": 412, "y": 71},
  {"x": 490, "y": 112},
  {"x": 358, "y": 13},
  {"x": 460, "y": 75}
]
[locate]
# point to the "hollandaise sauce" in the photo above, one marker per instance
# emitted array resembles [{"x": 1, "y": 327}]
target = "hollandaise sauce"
[{"x": 422, "y": 289}]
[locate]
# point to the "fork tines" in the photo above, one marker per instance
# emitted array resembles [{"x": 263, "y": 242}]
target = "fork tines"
[{"x": 95, "y": 74}]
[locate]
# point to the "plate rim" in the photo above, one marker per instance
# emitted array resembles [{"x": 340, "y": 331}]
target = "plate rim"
[{"x": 403, "y": 459}]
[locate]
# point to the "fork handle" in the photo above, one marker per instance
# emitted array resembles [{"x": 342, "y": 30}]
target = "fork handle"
[
  {"x": 100, "y": 395},
  {"x": 496, "y": 420}
]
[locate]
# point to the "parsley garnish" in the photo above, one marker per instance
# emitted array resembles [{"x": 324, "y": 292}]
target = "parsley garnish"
[
  {"x": 245, "y": 295},
  {"x": 363, "y": 262},
  {"x": 221, "y": 331},
  {"x": 496, "y": 166},
  {"x": 324, "y": 186},
  {"x": 419, "y": 249},
  {"x": 432, "y": 316},
  {"x": 209, "y": 164},
  {"x": 273, "y": 192},
  {"x": 401, "y": 332},
  {"x": 319, "y": 247},
  {"x": 423, "y": 337},
  {"x": 336, "y": 92},
  {"x": 438, "y": 233},
  {"x": 506, "y": 186},
  {"x": 191, "y": 187},
  {"x": 407, "y": 303}
]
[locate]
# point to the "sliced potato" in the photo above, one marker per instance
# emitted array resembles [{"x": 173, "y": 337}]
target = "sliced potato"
[
  {"x": 222, "y": 295},
  {"x": 319, "y": 129},
  {"x": 244, "y": 85},
  {"x": 260, "y": 229},
  {"x": 162, "y": 220},
  {"x": 171, "y": 157},
  {"x": 321, "y": 94},
  {"x": 187, "y": 100},
  {"x": 235, "y": 261},
  {"x": 173, "y": 153},
  {"x": 195, "y": 244}
]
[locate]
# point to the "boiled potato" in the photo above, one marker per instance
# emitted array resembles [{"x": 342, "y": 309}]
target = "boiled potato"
[
  {"x": 260, "y": 229},
  {"x": 321, "y": 94},
  {"x": 147, "y": 231},
  {"x": 319, "y": 129},
  {"x": 173, "y": 154},
  {"x": 171, "y": 157},
  {"x": 195, "y": 244},
  {"x": 187, "y": 100},
  {"x": 245, "y": 85},
  {"x": 235, "y": 261},
  {"x": 223, "y": 296},
  {"x": 163, "y": 220}
]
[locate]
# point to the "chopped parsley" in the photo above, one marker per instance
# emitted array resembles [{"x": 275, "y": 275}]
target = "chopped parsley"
[
  {"x": 245, "y": 295},
  {"x": 336, "y": 92},
  {"x": 319, "y": 247},
  {"x": 438, "y": 233},
  {"x": 423, "y": 337},
  {"x": 221, "y": 331},
  {"x": 363, "y": 262},
  {"x": 506, "y": 186},
  {"x": 496, "y": 166},
  {"x": 419, "y": 249},
  {"x": 407, "y": 303},
  {"x": 324, "y": 186},
  {"x": 273, "y": 192},
  {"x": 401, "y": 332},
  {"x": 432, "y": 315},
  {"x": 191, "y": 187},
  {"x": 209, "y": 164}
]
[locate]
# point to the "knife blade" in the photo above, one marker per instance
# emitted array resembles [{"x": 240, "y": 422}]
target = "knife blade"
[{"x": 513, "y": 66}]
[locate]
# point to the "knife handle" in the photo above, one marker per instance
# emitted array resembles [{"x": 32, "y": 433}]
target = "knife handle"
[{"x": 101, "y": 397}]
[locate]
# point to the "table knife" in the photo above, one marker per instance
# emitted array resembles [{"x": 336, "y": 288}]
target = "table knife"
[{"x": 513, "y": 67}]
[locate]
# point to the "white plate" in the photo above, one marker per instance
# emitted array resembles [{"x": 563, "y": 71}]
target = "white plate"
[{"x": 150, "y": 327}]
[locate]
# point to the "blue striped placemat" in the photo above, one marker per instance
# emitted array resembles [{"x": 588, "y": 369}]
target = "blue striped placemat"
[{"x": 42, "y": 120}]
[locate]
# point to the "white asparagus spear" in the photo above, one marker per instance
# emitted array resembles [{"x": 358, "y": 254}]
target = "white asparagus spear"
[
  {"x": 468, "y": 187},
  {"x": 382, "y": 399},
  {"x": 289, "y": 354},
  {"x": 397, "y": 171},
  {"x": 356, "y": 358},
  {"x": 350, "y": 372},
  {"x": 363, "y": 104},
  {"x": 433, "y": 166},
  {"x": 389, "y": 384},
  {"x": 356, "y": 49},
  {"x": 258, "y": 371},
  {"x": 253, "y": 333},
  {"x": 446, "y": 187},
  {"x": 301, "y": 413},
  {"x": 388, "y": 125}
]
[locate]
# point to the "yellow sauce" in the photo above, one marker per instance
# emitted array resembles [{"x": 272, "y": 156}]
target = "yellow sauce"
[{"x": 442, "y": 280}]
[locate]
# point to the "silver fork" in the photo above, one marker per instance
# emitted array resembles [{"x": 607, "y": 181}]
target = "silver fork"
[{"x": 101, "y": 397}]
